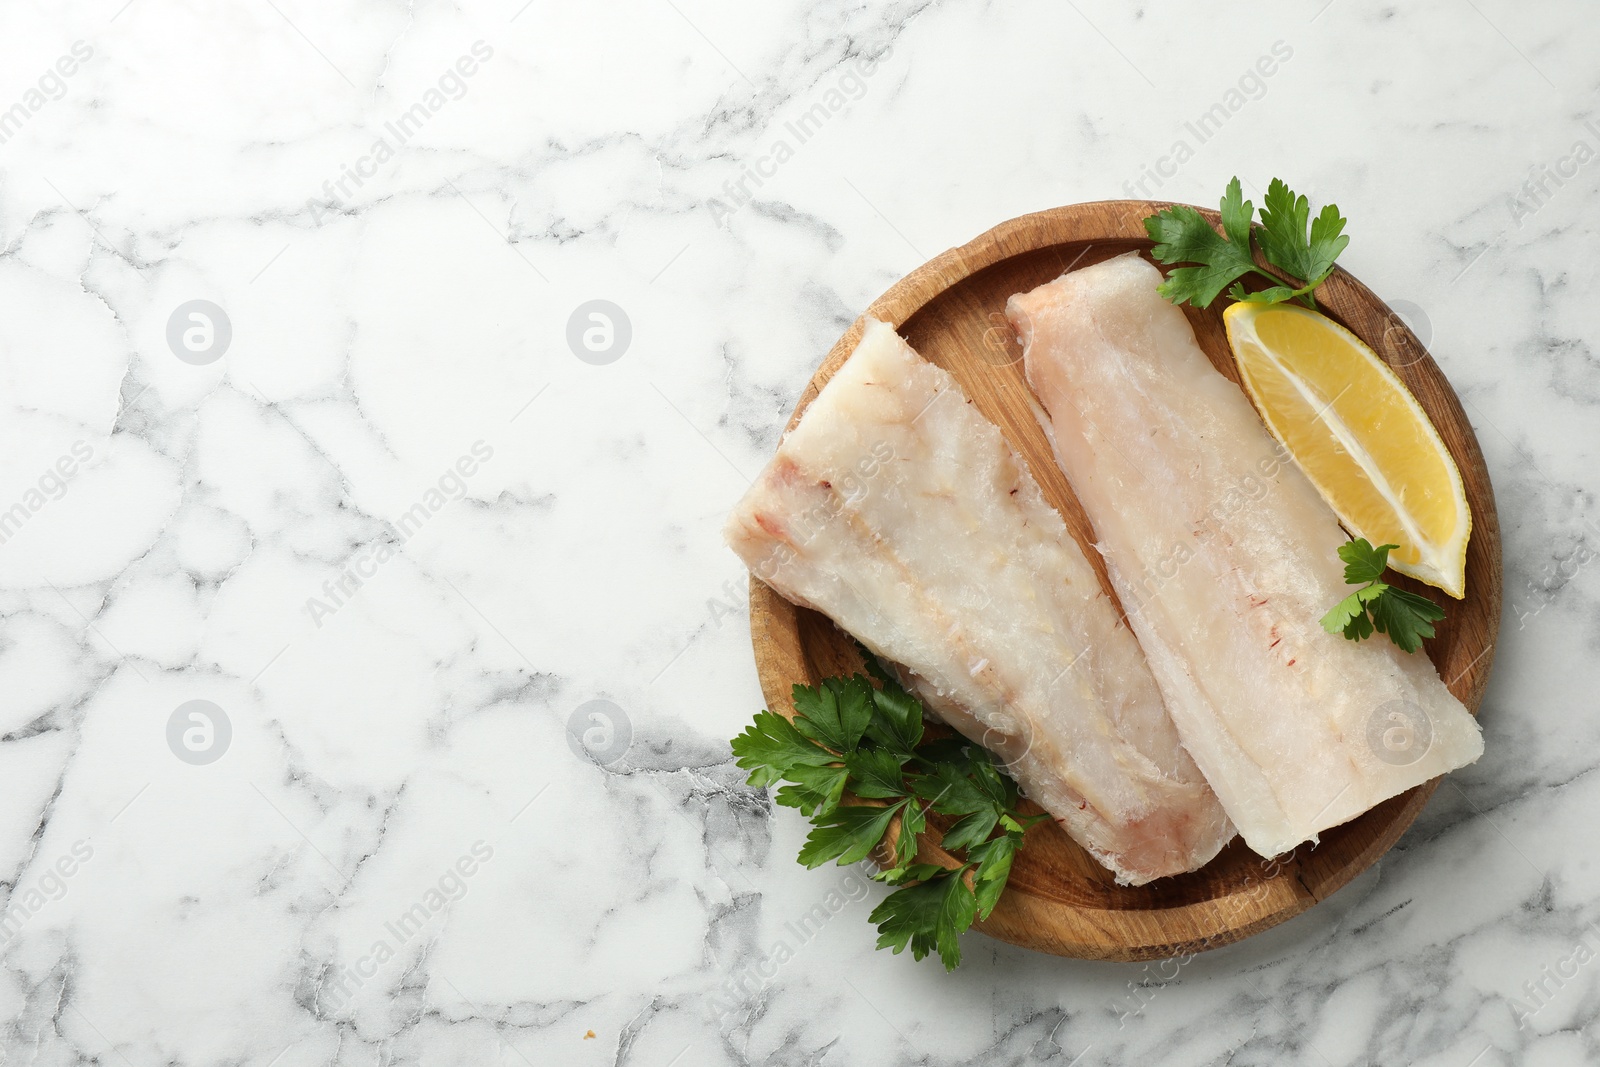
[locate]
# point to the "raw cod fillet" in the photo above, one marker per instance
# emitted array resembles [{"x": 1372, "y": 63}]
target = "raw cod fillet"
[
  {"x": 899, "y": 511},
  {"x": 1224, "y": 557}
]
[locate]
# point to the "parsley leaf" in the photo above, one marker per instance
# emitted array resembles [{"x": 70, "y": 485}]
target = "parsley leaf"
[
  {"x": 970, "y": 830},
  {"x": 994, "y": 867},
  {"x": 835, "y": 713},
  {"x": 771, "y": 747},
  {"x": 847, "y": 834},
  {"x": 851, "y": 738},
  {"x": 813, "y": 789},
  {"x": 1182, "y": 235},
  {"x": 997, "y": 787},
  {"x": 949, "y": 790},
  {"x": 1283, "y": 236},
  {"x": 1236, "y": 214},
  {"x": 913, "y": 821},
  {"x": 956, "y": 912},
  {"x": 929, "y": 916},
  {"x": 876, "y": 773},
  {"x": 914, "y": 872},
  {"x": 1362, "y": 562},
  {"x": 898, "y": 722},
  {"x": 1407, "y": 618},
  {"x": 1349, "y": 616}
]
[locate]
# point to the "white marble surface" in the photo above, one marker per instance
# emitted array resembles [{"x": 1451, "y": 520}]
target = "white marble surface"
[{"x": 400, "y": 748}]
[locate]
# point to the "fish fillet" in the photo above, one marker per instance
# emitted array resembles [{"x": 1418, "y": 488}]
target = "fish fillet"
[
  {"x": 899, "y": 511},
  {"x": 1225, "y": 558}
]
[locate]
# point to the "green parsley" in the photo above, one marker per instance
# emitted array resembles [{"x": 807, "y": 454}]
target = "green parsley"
[
  {"x": 1378, "y": 606},
  {"x": 1182, "y": 235},
  {"x": 855, "y": 759}
]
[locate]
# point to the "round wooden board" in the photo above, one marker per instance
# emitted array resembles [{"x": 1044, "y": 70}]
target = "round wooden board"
[{"x": 1059, "y": 900}]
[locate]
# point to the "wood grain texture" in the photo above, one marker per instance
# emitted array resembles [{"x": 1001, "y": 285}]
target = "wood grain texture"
[{"x": 1059, "y": 900}]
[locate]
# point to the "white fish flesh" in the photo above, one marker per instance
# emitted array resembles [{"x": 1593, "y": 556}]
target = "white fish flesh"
[
  {"x": 1225, "y": 558},
  {"x": 898, "y": 510}
]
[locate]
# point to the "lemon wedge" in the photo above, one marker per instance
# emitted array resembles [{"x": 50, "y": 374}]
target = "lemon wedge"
[{"x": 1358, "y": 434}]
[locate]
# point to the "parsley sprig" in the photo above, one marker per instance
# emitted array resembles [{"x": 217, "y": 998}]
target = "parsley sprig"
[
  {"x": 1378, "y": 606},
  {"x": 854, "y": 759},
  {"x": 1182, "y": 235}
]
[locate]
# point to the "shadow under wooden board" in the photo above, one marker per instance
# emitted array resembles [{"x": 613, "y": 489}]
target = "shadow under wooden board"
[{"x": 1059, "y": 900}]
